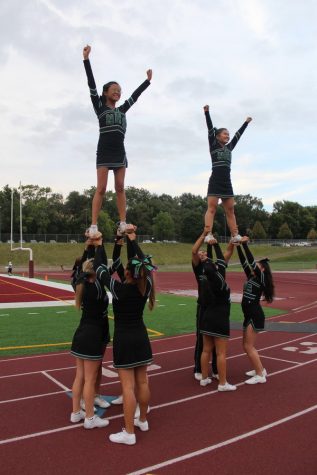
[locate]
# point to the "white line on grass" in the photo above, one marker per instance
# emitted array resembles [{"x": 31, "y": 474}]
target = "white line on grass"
[
  {"x": 238, "y": 438},
  {"x": 171, "y": 403}
]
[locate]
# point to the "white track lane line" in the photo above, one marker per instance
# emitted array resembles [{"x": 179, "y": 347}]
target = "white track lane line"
[
  {"x": 224, "y": 443},
  {"x": 59, "y": 384},
  {"x": 159, "y": 406}
]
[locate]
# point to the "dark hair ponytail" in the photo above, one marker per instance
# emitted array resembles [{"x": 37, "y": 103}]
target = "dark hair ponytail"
[{"x": 268, "y": 291}]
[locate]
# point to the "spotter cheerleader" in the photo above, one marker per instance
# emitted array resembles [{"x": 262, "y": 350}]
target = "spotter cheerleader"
[
  {"x": 199, "y": 259},
  {"x": 89, "y": 341},
  {"x": 215, "y": 326},
  {"x": 220, "y": 185},
  {"x": 111, "y": 153},
  {"x": 259, "y": 282},
  {"x": 131, "y": 346}
]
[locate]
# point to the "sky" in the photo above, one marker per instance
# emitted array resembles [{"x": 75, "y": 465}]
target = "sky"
[{"x": 241, "y": 57}]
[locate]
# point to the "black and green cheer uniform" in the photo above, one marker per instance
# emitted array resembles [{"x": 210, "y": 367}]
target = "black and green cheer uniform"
[
  {"x": 220, "y": 180},
  {"x": 112, "y": 124}
]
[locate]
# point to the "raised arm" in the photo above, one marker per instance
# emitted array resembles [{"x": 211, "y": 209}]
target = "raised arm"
[
  {"x": 136, "y": 94},
  {"x": 220, "y": 259},
  {"x": 133, "y": 248},
  {"x": 238, "y": 134},
  {"x": 196, "y": 247},
  {"x": 95, "y": 99},
  {"x": 116, "y": 261},
  {"x": 251, "y": 260},
  {"x": 210, "y": 127},
  {"x": 245, "y": 265}
]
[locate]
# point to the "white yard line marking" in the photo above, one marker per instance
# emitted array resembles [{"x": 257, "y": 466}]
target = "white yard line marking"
[
  {"x": 171, "y": 403},
  {"x": 59, "y": 384},
  {"x": 31, "y": 397},
  {"x": 224, "y": 443},
  {"x": 280, "y": 359}
]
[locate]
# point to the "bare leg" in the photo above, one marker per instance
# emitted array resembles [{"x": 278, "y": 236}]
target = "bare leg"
[
  {"x": 102, "y": 180},
  {"x": 127, "y": 379},
  {"x": 91, "y": 371},
  {"x": 249, "y": 338},
  {"x": 205, "y": 355},
  {"x": 221, "y": 350},
  {"x": 98, "y": 380},
  {"x": 78, "y": 384},
  {"x": 119, "y": 175},
  {"x": 142, "y": 391},
  {"x": 212, "y": 203},
  {"x": 228, "y": 205}
]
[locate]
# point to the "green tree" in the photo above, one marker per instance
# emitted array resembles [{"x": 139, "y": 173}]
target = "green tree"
[
  {"x": 163, "y": 226},
  {"x": 299, "y": 218},
  {"x": 106, "y": 226},
  {"x": 312, "y": 235},
  {"x": 258, "y": 231},
  {"x": 284, "y": 232}
]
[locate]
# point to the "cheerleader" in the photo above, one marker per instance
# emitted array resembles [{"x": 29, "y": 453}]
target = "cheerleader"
[
  {"x": 111, "y": 153},
  {"x": 215, "y": 326},
  {"x": 259, "y": 282},
  {"x": 131, "y": 345},
  {"x": 199, "y": 258},
  {"x": 220, "y": 185},
  {"x": 89, "y": 343}
]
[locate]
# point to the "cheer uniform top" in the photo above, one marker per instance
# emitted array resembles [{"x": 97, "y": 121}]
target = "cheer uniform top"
[
  {"x": 252, "y": 291},
  {"x": 131, "y": 344},
  {"x": 220, "y": 180},
  {"x": 112, "y": 124},
  {"x": 216, "y": 315}
]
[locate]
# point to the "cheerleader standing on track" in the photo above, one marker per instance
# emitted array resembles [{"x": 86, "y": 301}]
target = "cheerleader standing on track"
[
  {"x": 259, "y": 281},
  {"x": 110, "y": 151},
  {"x": 199, "y": 258},
  {"x": 215, "y": 326},
  {"x": 131, "y": 345},
  {"x": 89, "y": 344},
  {"x": 220, "y": 185}
]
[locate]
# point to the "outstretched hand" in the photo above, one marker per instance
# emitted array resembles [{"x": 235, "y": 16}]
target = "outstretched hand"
[
  {"x": 206, "y": 108},
  {"x": 245, "y": 239},
  {"x": 149, "y": 74},
  {"x": 98, "y": 242},
  {"x": 248, "y": 119},
  {"x": 86, "y": 51}
]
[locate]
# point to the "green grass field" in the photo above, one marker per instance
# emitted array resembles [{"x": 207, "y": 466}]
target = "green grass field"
[
  {"x": 170, "y": 257},
  {"x": 47, "y": 329}
]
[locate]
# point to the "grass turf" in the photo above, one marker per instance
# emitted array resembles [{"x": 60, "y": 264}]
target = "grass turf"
[{"x": 53, "y": 327}]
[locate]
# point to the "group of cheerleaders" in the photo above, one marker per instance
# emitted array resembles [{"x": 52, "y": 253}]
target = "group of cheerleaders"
[{"x": 133, "y": 286}]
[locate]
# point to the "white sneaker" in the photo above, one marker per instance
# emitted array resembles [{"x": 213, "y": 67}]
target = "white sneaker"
[
  {"x": 253, "y": 373},
  {"x": 208, "y": 238},
  {"x": 95, "y": 421},
  {"x": 215, "y": 375},
  {"x": 99, "y": 401},
  {"x": 77, "y": 416},
  {"x": 204, "y": 382},
  {"x": 119, "y": 400},
  {"x": 256, "y": 379},
  {"x": 198, "y": 376},
  {"x": 226, "y": 387},
  {"x": 122, "y": 227},
  {"x": 92, "y": 231},
  {"x": 137, "y": 411},
  {"x": 236, "y": 239},
  {"x": 123, "y": 437},
  {"x": 83, "y": 405},
  {"x": 143, "y": 426}
]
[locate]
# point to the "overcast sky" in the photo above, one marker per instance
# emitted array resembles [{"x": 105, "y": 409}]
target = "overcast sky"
[{"x": 242, "y": 57}]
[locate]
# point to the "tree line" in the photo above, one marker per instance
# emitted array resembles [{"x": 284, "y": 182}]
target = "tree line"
[{"x": 162, "y": 217}]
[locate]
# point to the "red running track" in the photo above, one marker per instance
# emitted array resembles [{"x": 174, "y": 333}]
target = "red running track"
[{"x": 17, "y": 290}]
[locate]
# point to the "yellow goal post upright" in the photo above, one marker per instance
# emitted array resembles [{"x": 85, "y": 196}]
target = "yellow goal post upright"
[{"x": 21, "y": 248}]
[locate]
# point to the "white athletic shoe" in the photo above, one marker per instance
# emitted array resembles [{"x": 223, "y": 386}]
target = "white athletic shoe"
[
  {"x": 117, "y": 401},
  {"x": 99, "y": 401},
  {"x": 83, "y": 405},
  {"x": 77, "y": 416},
  {"x": 208, "y": 238},
  {"x": 256, "y": 379},
  {"x": 215, "y": 375},
  {"x": 137, "y": 411},
  {"x": 236, "y": 239},
  {"x": 122, "y": 227},
  {"x": 92, "y": 231},
  {"x": 204, "y": 382},
  {"x": 143, "y": 426},
  {"x": 123, "y": 437},
  {"x": 226, "y": 387},
  {"x": 198, "y": 376},
  {"x": 253, "y": 373},
  {"x": 95, "y": 421}
]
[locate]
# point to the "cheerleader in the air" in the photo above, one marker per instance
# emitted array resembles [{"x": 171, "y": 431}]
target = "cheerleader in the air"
[
  {"x": 215, "y": 325},
  {"x": 131, "y": 346},
  {"x": 220, "y": 185},
  {"x": 259, "y": 282},
  {"x": 111, "y": 153}
]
